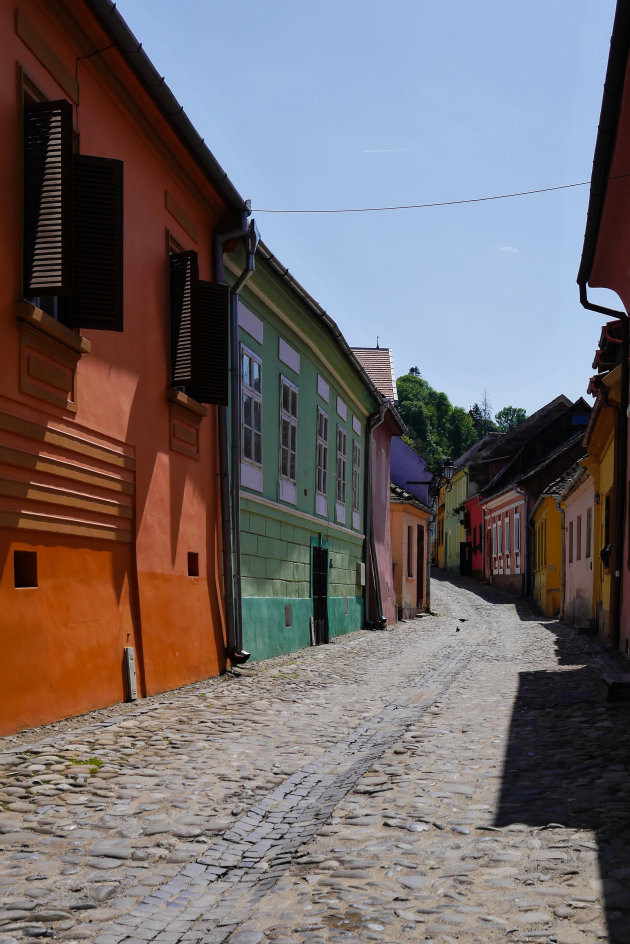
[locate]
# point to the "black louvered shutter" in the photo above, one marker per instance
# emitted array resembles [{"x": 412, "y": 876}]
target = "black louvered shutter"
[
  {"x": 97, "y": 300},
  {"x": 184, "y": 281},
  {"x": 199, "y": 332},
  {"x": 211, "y": 350},
  {"x": 47, "y": 199}
]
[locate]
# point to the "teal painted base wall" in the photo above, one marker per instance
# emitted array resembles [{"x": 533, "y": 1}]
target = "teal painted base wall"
[{"x": 276, "y": 573}]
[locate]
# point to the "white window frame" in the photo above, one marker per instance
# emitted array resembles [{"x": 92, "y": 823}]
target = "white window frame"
[
  {"x": 499, "y": 537},
  {"x": 287, "y": 471},
  {"x": 251, "y": 466},
  {"x": 494, "y": 539},
  {"x": 356, "y": 483},
  {"x": 321, "y": 473},
  {"x": 517, "y": 533},
  {"x": 507, "y": 534},
  {"x": 341, "y": 452}
]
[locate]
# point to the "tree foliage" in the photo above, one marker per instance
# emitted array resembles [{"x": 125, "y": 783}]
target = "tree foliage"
[
  {"x": 509, "y": 417},
  {"x": 437, "y": 428}
]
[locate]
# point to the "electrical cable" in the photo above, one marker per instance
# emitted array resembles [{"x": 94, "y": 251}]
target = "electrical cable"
[{"x": 424, "y": 206}]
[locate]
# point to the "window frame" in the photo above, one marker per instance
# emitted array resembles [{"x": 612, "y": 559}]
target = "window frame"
[
  {"x": 340, "y": 465},
  {"x": 246, "y": 389},
  {"x": 289, "y": 420},
  {"x": 321, "y": 452},
  {"x": 356, "y": 476}
]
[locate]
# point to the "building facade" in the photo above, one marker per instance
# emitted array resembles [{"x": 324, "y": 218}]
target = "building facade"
[
  {"x": 306, "y": 412},
  {"x": 110, "y": 525}
]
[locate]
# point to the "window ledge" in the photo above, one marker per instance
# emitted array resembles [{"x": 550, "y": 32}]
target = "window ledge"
[
  {"x": 43, "y": 322},
  {"x": 181, "y": 399}
]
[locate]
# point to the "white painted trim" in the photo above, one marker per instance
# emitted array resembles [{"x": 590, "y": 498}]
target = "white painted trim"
[
  {"x": 321, "y": 505},
  {"x": 251, "y": 476},
  {"x": 356, "y": 520},
  {"x": 316, "y": 522},
  {"x": 249, "y": 322},
  {"x": 287, "y": 491},
  {"x": 288, "y": 355},
  {"x": 340, "y": 512},
  {"x": 323, "y": 389}
]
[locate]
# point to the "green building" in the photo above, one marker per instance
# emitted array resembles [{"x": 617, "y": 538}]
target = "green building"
[{"x": 305, "y": 404}]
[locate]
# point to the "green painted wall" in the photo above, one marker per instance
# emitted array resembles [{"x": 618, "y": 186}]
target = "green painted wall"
[{"x": 277, "y": 536}]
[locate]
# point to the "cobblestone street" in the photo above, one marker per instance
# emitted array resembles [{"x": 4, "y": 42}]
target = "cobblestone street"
[{"x": 457, "y": 777}]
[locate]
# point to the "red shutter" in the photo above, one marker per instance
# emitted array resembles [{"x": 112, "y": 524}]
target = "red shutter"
[
  {"x": 97, "y": 300},
  {"x": 47, "y": 198}
]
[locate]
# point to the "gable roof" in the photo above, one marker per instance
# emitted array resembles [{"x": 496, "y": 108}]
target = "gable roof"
[
  {"x": 378, "y": 363},
  {"x": 520, "y": 463}
]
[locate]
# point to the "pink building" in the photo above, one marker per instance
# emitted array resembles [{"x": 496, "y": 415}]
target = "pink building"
[{"x": 577, "y": 502}]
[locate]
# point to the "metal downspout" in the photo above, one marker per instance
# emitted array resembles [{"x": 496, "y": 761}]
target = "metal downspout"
[
  {"x": 230, "y": 546},
  {"x": 371, "y": 564},
  {"x": 621, "y": 464}
]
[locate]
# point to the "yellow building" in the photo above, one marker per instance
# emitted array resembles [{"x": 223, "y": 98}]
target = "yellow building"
[
  {"x": 455, "y": 494},
  {"x": 600, "y": 442},
  {"x": 546, "y": 521}
]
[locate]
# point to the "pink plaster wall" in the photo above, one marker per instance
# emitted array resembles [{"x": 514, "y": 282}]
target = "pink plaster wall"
[{"x": 578, "y": 590}]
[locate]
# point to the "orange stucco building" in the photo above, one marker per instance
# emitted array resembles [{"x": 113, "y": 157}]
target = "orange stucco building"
[{"x": 110, "y": 520}]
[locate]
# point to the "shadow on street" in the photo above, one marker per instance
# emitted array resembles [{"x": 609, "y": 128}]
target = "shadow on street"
[{"x": 567, "y": 761}]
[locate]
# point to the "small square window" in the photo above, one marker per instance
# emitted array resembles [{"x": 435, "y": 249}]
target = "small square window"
[{"x": 25, "y": 569}]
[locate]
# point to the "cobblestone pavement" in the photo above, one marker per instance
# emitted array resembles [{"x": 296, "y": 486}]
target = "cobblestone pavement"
[{"x": 456, "y": 778}]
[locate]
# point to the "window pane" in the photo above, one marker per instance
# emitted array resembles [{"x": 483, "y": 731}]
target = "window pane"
[
  {"x": 247, "y": 410},
  {"x": 294, "y": 403},
  {"x": 257, "y": 416},
  {"x": 257, "y": 447},
  {"x": 256, "y": 378},
  {"x": 247, "y": 443},
  {"x": 246, "y": 371}
]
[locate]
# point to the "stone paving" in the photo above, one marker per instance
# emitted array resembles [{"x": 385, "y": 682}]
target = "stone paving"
[{"x": 459, "y": 777}]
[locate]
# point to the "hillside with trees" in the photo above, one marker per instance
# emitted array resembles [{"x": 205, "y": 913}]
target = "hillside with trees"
[{"x": 439, "y": 430}]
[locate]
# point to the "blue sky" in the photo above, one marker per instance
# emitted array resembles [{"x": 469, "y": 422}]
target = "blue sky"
[{"x": 364, "y": 104}]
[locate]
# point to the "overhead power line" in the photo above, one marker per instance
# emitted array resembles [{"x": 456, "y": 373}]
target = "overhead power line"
[{"x": 424, "y": 206}]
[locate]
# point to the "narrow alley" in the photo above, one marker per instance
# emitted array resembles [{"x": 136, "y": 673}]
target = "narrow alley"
[{"x": 458, "y": 777}]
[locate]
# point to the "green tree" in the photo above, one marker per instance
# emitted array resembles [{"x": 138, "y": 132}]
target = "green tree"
[
  {"x": 436, "y": 428},
  {"x": 462, "y": 432},
  {"x": 509, "y": 417}
]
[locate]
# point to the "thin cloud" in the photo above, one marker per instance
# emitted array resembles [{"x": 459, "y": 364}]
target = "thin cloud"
[
  {"x": 507, "y": 249},
  {"x": 386, "y": 150}
]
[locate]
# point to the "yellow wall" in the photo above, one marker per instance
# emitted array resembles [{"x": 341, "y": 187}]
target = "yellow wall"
[
  {"x": 600, "y": 463},
  {"x": 547, "y": 590},
  {"x": 453, "y": 529}
]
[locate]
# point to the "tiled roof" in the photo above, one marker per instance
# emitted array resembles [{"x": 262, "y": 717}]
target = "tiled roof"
[
  {"x": 400, "y": 494},
  {"x": 378, "y": 363}
]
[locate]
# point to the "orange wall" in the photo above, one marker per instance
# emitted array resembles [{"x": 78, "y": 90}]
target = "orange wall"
[{"x": 139, "y": 590}]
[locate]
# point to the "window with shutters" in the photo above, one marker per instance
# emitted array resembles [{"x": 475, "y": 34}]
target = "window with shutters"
[
  {"x": 73, "y": 223},
  {"x": 251, "y": 393},
  {"x": 199, "y": 332}
]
